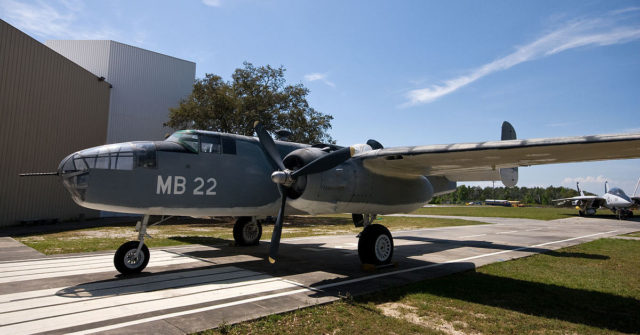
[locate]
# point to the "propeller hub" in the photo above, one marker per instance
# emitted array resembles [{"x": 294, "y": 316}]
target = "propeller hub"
[{"x": 283, "y": 178}]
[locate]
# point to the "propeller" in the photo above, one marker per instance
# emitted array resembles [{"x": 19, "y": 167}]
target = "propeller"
[{"x": 285, "y": 178}]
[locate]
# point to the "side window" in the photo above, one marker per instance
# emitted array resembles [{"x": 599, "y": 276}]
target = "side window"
[
  {"x": 145, "y": 155},
  {"x": 210, "y": 144},
  {"x": 228, "y": 145}
]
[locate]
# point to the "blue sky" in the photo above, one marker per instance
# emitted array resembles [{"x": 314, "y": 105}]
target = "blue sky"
[{"x": 404, "y": 72}]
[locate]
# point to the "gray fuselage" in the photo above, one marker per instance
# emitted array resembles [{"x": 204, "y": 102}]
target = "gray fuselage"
[{"x": 217, "y": 174}]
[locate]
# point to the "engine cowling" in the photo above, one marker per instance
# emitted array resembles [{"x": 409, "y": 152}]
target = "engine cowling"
[{"x": 297, "y": 159}]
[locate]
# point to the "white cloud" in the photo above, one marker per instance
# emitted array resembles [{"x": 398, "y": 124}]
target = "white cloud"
[
  {"x": 44, "y": 20},
  {"x": 212, "y": 3},
  {"x": 589, "y": 179},
  {"x": 318, "y": 76},
  {"x": 575, "y": 34}
]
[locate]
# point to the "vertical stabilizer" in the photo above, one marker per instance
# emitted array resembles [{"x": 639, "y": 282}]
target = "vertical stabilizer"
[
  {"x": 509, "y": 176},
  {"x": 579, "y": 190},
  {"x": 606, "y": 189}
]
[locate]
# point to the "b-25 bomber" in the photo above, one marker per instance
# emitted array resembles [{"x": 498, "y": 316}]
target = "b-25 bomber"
[{"x": 206, "y": 174}]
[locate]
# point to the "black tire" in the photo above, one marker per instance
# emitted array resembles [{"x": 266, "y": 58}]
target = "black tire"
[
  {"x": 246, "y": 233},
  {"x": 124, "y": 261},
  {"x": 580, "y": 213},
  {"x": 375, "y": 245}
]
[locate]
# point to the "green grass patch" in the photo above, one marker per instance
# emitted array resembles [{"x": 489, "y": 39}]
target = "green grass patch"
[
  {"x": 539, "y": 213},
  {"x": 636, "y": 234},
  {"x": 592, "y": 288},
  {"x": 209, "y": 232}
]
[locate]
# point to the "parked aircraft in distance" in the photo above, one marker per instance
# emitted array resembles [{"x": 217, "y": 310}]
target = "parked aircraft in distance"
[
  {"x": 614, "y": 199},
  {"x": 204, "y": 174}
]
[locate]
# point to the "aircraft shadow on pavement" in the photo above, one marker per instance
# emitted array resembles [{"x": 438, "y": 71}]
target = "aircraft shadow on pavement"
[
  {"x": 597, "y": 309},
  {"x": 551, "y": 301}
]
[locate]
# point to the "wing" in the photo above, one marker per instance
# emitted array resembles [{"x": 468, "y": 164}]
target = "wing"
[
  {"x": 590, "y": 200},
  {"x": 482, "y": 161}
]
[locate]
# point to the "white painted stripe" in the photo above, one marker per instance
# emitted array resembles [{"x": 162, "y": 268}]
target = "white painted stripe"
[
  {"x": 507, "y": 232},
  {"x": 478, "y": 235},
  {"x": 15, "y": 301},
  {"x": 49, "y": 307},
  {"x": 10, "y": 272},
  {"x": 87, "y": 310},
  {"x": 534, "y": 229},
  {"x": 110, "y": 253},
  {"x": 25, "y": 267},
  {"x": 316, "y": 288},
  {"x": 117, "y": 283}
]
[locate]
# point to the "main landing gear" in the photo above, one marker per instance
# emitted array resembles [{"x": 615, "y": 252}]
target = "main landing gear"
[
  {"x": 133, "y": 256},
  {"x": 623, "y": 213},
  {"x": 247, "y": 231},
  {"x": 375, "y": 243}
]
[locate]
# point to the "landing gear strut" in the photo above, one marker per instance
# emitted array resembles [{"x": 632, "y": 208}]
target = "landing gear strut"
[
  {"x": 133, "y": 256},
  {"x": 247, "y": 231}
]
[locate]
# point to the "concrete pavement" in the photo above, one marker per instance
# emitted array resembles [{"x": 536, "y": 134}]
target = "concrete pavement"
[{"x": 192, "y": 288}]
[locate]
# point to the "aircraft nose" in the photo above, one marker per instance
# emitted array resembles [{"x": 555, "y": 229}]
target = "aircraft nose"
[{"x": 74, "y": 173}]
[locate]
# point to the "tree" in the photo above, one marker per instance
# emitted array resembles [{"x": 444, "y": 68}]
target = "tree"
[{"x": 253, "y": 94}]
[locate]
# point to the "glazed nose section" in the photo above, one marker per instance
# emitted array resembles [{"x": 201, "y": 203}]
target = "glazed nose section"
[{"x": 74, "y": 172}]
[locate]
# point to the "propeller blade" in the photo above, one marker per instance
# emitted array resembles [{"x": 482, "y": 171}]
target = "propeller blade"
[
  {"x": 269, "y": 146},
  {"x": 277, "y": 228},
  {"x": 325, "y": 162}
]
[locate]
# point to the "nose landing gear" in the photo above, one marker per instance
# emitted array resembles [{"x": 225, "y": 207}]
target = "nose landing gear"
[{"x": 133, "y": 256}]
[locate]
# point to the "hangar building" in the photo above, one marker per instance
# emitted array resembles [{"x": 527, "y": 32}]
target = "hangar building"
[
  {"x": 145, "y": 85},
  {"x": 52, "y": 105}
]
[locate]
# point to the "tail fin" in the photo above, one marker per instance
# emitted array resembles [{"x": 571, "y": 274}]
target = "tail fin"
[
  {"x": 509, "y": 176},
  {"x": 606, "y": 189},
  {"x": 579, "y": 190}
]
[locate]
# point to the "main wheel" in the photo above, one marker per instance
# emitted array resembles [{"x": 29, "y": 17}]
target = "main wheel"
[
  {"x": 125, "y": 259},
  {"x": 375, "y": 245},
  {"x": 245, "y": 232},
  {"x": 581, "y": 213}
]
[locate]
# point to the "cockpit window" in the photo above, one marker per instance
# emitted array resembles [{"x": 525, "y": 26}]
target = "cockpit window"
[
  {"x": 113, "y": 156},
  {"x": 619, "y": 192},
  {"x": 145, "y": 155},
  {"x": 186, "y": 138},
  {"x": 210, "y": 144}
]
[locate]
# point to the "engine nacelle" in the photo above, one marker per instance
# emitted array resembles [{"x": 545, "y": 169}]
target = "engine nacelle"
[
  {"x": 351, "y": 188},
  {"x": 297, "y": 159}
]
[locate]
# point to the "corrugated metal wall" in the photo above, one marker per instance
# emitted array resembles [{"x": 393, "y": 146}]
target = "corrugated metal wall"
[
  {"x": 145, "y": 85},
  {"x": 49, "y": 108}
]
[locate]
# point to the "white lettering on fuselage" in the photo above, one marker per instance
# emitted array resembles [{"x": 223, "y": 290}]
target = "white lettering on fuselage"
[{"x": 164, "y": 186}]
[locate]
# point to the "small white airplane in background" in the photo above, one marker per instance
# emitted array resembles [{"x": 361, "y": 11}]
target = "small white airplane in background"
[{"x": 614, "y": 199}]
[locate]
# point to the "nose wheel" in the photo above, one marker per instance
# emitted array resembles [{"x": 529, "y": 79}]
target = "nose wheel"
[
  {"x": 375, "y": 245},
  {"x": 133, "y": 256},
  {"x": 128, "y": 259}
]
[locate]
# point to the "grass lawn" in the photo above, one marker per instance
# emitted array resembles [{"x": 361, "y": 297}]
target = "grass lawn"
[
  {"x": 181, "y": 231},
  {"x": 539, "y": 213},
  {"x": 592, "y": 288}
]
